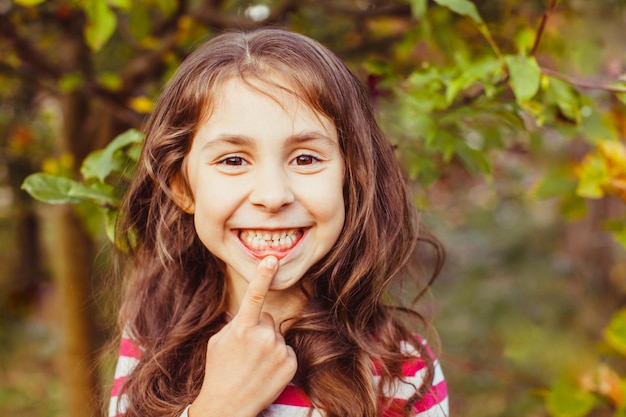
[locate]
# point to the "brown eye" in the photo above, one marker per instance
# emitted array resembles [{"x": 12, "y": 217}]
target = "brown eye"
[
  {"x": 305, "y": 160},
  {"x": 233, "y": 160}
]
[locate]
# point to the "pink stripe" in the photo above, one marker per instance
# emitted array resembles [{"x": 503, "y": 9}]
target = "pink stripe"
[
  {"x": 294, "y": 396},
  {"x": 118, "y": 383},
  {"x": 409, "y": 368},
  {"x": 128, "y": 348},
  {"x": 436, "y": 395},
  {"x": 412, "y": 367}
]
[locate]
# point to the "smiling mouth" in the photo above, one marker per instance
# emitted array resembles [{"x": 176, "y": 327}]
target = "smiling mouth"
[{"x": 278, "y": 240}]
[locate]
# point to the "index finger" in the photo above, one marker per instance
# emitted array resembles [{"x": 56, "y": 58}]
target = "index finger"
[{"x": 254, "y": 297}]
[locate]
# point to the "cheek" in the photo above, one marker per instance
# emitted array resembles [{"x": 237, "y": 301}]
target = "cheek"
[
  {"x": 212, "y": 211},
  {"x": 329, "y": 209}
]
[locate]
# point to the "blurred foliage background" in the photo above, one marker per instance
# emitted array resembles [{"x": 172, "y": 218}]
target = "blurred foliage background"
[{"x": 509, "y": 117}]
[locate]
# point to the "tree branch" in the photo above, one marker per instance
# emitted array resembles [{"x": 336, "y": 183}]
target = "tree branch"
[
  {"x": 542, "y": 25},
  {"x": 583, "y": 84}
]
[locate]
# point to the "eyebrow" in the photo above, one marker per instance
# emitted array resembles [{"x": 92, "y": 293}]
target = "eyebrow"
[{"x": 243, "y": 140}]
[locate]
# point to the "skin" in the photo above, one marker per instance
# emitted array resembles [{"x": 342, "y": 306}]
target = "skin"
[{"x": 262, "y": 163}]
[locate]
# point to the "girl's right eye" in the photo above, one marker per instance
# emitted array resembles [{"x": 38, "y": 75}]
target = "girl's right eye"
[{"x": 233, "y": 161}]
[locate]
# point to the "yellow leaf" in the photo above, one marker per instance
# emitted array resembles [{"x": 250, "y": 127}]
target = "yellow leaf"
[
  {"x": 50, "y": 166},
  {"x": 141, "y": 104},
  {"x": 614, "y": 153},
  {"x": 617, "y": 187}
]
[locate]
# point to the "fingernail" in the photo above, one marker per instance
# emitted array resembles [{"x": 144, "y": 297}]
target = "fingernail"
[{"x": 271, "y": 261}]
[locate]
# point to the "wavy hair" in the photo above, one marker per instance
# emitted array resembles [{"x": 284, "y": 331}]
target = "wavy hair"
[{"x": 176, "y": 298}]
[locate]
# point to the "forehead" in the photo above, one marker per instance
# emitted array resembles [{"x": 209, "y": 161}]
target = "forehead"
[{"x": 246, "y": 94}]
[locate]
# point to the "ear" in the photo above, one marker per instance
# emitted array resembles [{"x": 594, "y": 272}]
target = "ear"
[{"x": 183, "y": 197}]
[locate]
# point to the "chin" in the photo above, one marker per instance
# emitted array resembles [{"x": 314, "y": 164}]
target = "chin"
[{"x": 283, "y": 282}]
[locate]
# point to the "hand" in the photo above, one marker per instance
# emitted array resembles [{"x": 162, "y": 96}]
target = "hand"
[{"x": 248, "y": 363}]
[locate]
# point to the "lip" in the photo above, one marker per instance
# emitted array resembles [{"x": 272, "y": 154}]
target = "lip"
[{"x": 279, "y": 254}]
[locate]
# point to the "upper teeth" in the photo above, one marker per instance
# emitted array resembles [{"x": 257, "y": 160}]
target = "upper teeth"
[{"x": 259, "y": 239}]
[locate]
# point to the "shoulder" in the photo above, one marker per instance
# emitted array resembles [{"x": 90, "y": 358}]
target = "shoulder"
[{"x": 434, "y": 402}]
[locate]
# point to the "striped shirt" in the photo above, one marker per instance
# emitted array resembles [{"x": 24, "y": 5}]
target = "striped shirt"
[{"x": 293, "y": 402}]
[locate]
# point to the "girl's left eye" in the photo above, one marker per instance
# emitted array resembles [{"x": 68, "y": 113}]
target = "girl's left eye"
[{"x": 305, "y": 160}]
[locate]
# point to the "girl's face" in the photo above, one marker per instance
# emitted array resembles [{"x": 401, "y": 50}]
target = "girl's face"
[{"x": 266, "y": 174}]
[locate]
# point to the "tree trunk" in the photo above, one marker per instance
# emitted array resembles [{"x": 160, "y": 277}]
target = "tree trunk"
[
  {"x": 73, "y": 255},
  {"x": 71, "y": 251}
]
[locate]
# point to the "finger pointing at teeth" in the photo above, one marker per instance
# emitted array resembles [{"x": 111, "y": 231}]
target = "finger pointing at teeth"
[{"x": 252, "y": 303}]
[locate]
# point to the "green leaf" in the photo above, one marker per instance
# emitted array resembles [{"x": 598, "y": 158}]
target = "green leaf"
[
  {"x": 110, "y": 80},
  {"x": 99, "y": 194},
  {"x": 555, "y": 184},
  {"x": 101, "y": 23},
  {"x": 475, "y": 160},
  {"x": 525, "y": 39},
  {"x": 525, "y": 76},
  {"x": 615, "y": 332},
  {"x": 444, "y": 143},
  {"x": 110, "y": 223},
  {"x": 568, "y": 400},
  {"x": 70, "y": 82},
  {"x": 592, "y": 174},
  {"x": 99, "y": 164},
  {"x": 378, "y": 67},
  {"x": 124, "y": 241},
  {"x": 50, "y": 189},
  {"x": 140, "y": 21},
  {"x": 594, "y": 124},
  {"x": 484, "y": 71},
  {"x": 419, "y": 7},
  {"x": 462, "y": 7},
  {"x": 565, "y": 97}
]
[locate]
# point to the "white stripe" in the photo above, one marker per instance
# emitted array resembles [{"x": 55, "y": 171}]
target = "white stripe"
[
  {"x": 282, "y": 410},
  {"x": 125, "y": 365},
  {"x": 409, "y": 349},
  {"x": 186, "y": 411},
  {"x": 123, "y": 400}
]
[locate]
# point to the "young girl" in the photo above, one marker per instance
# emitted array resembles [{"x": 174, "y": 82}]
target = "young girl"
[{"x": 269, "y": 215}]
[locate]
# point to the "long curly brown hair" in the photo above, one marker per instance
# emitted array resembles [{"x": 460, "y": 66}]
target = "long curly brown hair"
[{"x": 176, "y": 297}]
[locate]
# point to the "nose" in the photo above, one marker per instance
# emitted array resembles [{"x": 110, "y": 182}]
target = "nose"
[{"x": 272, "y": 189}]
